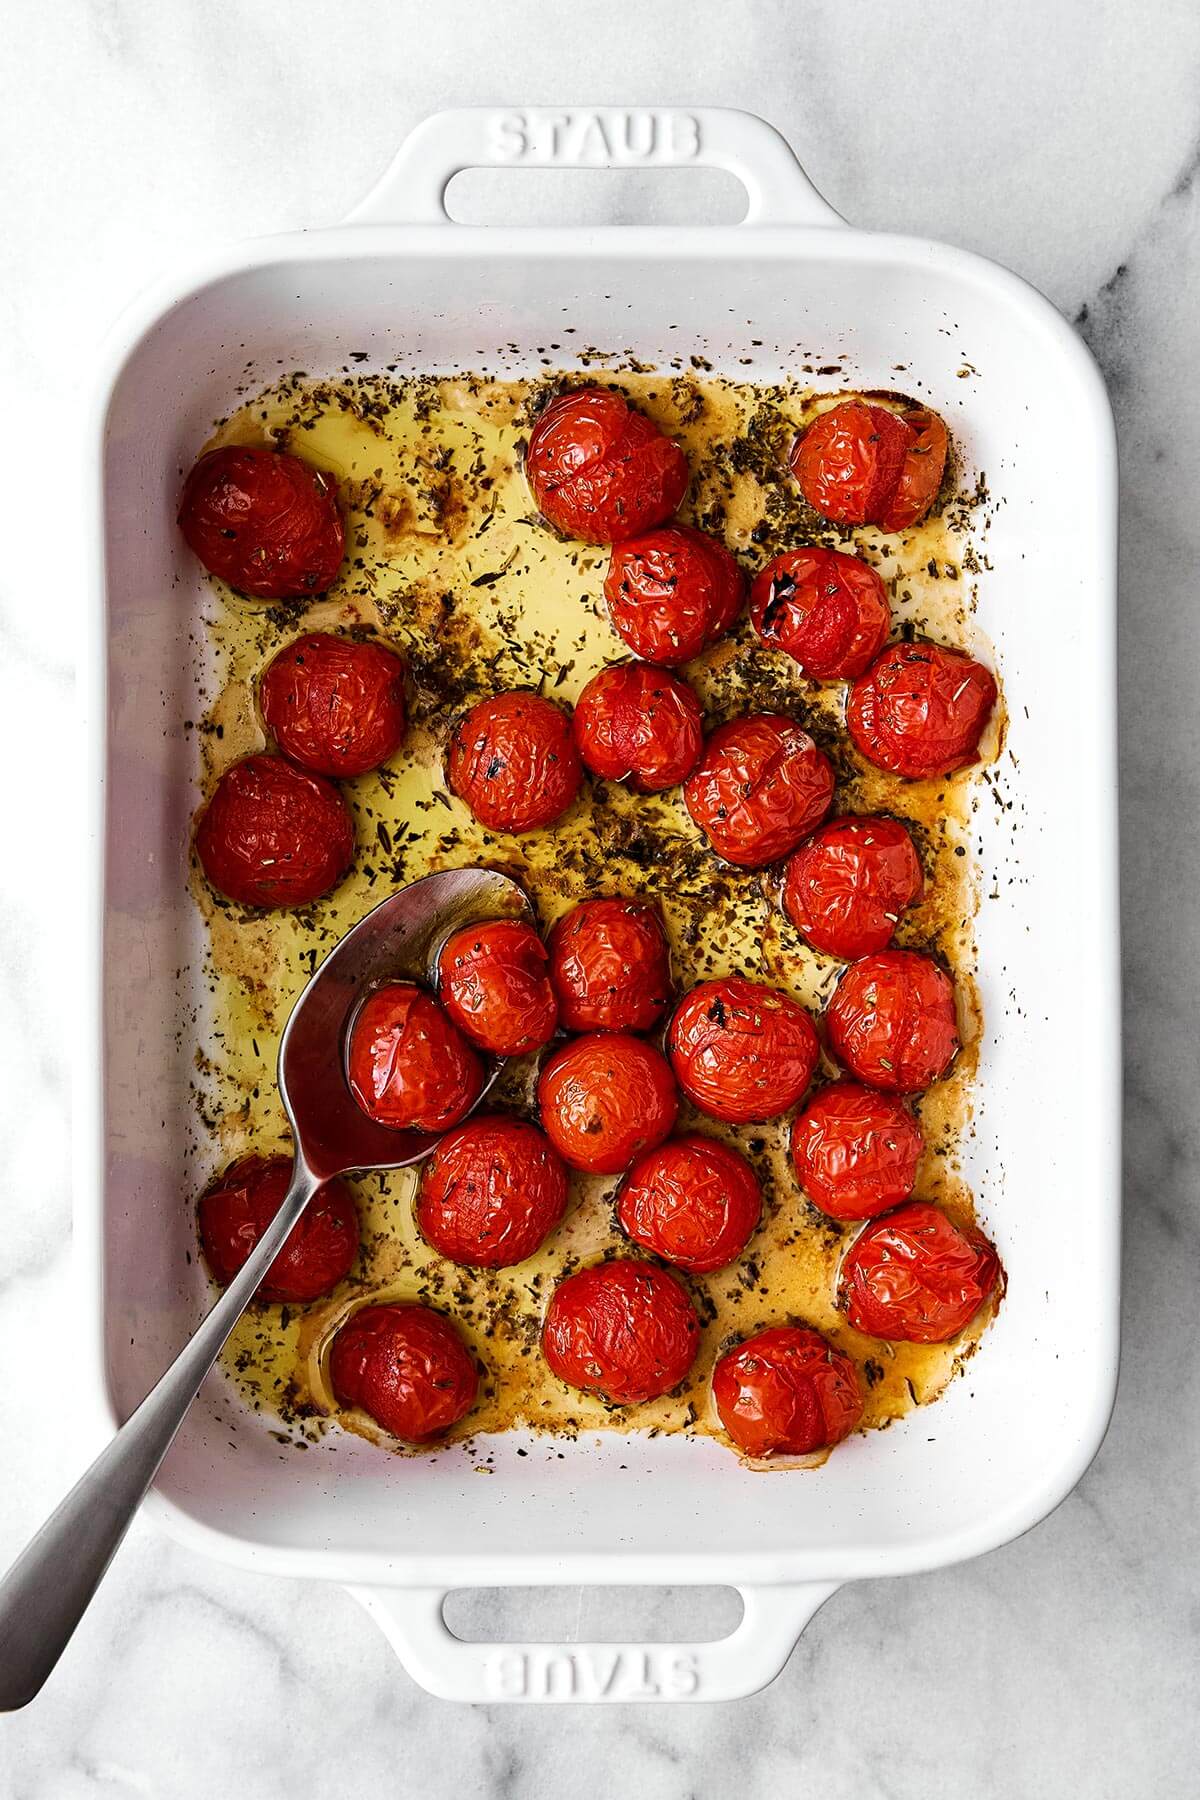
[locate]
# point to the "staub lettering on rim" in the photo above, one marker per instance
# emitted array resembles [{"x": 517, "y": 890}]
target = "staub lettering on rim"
[
  {"x": 596, "y": 1674},
  {"x": 541, "y": 135}
]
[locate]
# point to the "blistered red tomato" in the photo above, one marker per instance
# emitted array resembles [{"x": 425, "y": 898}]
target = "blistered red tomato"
[
  {"x": 600, "y": 470},
  {"x": 407, "y": 1367},
  {"x": 761, "y": 786},
  {"x": 637, "y": 723},
  {"x": 863, "y": 464},
  {"x": 856, "y": 1151},
  {"x": 786, "y": 1391},
  {"x": 491, "y": 1193},
  {"x": 623, "y": 1329},
  {"x": 672, "y": 593},
  {"x": 408, "y": 1066},
  {"x": 742, "y": 1051},
  {"x": 274, "y": 835},
  {"x": 513, "y": 760},
  {"x": 334, "y": 705},
  {"x": 916, "y": 1277},
  {"x": 494, "y": 982},
  {"x": 921, "y": 709},
  {"x": 847, "y": 885},
  {"x": 264, "y": 521},
  {"x": 693, "y": 1201},
  {"x": 604, "y": 1098},
  {"x": 611, "y": 966},
  {"x": 317, "y": 1253},
  {"x": 829, "y": 611},
  {"x": 892, "y": 1021}
]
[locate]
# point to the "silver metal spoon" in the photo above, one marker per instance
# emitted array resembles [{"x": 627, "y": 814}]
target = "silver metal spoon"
[{"x": 49, "y": 1587}]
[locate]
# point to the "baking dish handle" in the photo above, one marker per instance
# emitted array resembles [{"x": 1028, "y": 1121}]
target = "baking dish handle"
[
  {"x": 413, "y": 191},
  {"x": 728, "y": 1668}
]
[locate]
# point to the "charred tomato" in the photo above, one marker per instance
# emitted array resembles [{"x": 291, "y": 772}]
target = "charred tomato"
[
  {"x": 921, "y": 709},
  {"x": 601, "y": 471},
  {"x": 829, "y": 611},
  {"x": 494, "y": 982},
  {"x": 491, "y": 1193},
  {"x": 672, "y": 593},
  {"x": 761, "y": 786},
  {"x": 611, "y": 966},
  {"x": 847, "y": 885},
  {"x": 317, "y": 1253},
  {"x": 786, "y": 1391},
  {"x": 856, "y": 1151},
  {"x": 623, "y": 1329},
  {"x": 893, "y": 1022},
  {"x": 693, "y": 1201},
  {"x": 916, "y": 1277},
  {"x": 264, "y": 521},
  {"x": 273, "y": 835},
  {"x": 407, "y": 1367},
  {"x": 335, "y": 705},
  {"x": 514, "y": 762},
  {"x": 637, "y": 723},
  {"x": 741, "y": 1051},
  {"x": 604, "y": 1098},
  {"x": 408, "y": 1067}
]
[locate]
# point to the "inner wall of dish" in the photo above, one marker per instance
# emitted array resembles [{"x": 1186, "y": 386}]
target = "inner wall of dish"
[{"x": 1013, "y": 402}]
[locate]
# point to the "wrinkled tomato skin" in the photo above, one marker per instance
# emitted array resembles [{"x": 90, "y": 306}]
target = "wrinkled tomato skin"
[
  {"x": 513, "y": 761},
  {"x": 742, "y": 1052},
  {"x": 272, "y": 835},
  {"x": 407, "y": 1367},
  {"x": 827, "y": 610},
  {"x": 856, "y": 1151},
  {"x": 787, "y": 1391},
  {"x": 624, "y": 1329},
  {"x": 915, "y": 1277},
  {"x": 408, "y": 1066},
  {"x": 601, "y": 471},
  {"x": 264, "y": 521},
  {"x": 672, "y": 593},
  {"x": 334, "y": 705},
  {"x": 491, "y": 1193},
  {"x": 845, "y": 888},
  {"x": 849, "y": 461},
  {"x": 892, "y": 1021},
  {"x": 760, "y": 788},
  {"x": 611, "y": 966},
  {"x": 921, "y": 471},
  {"x": 317, "y": 1253},
  {"x": 494, "y": 982},
  {"x": 638, "y": 723},
  {"x": 921, "y": 709},
  {"x": 605, "y": 1098},
  {"x": 693, "y": 1201}
]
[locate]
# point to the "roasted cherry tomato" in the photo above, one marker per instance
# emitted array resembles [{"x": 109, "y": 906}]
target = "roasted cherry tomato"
[
  {"x": 761, "y": 786},
  {"x": 264, "y": 521},
  {"x": 494, "y": 981},
  {"x": 693, "y": 1201},
  {"x": 318, "y": 1251},
  {"x": 856, "y": 1151},
  {"x": 600, "y": 470},
  {"x": 920, "y": 710},
  {"x": 829, "y": 611},
  {"x": 513, "y": 760},
  {"x": 407, "y": 1367},
  {"x": 916, "y": 1277},
  {"x": 491, "y": 1193},
  {"x": 637, "y": 723},
  {"x": 786, "y": 1391},
  {"x": 846, "y": 887},
  {"x": 611, "y": 966},
  {"x": 892, "y": 1021},
  {"x": 407, "y": 1065},
  {"x": 623, "y": 1329},
  {"x": 742, "y": 1051},
  {"x": 672, "y": 593},
  {"x": 333, "y": 704},
  {"x": 604, "y": 1098},
  {"x": 274, "y": 835},
  {"x": 865, "y": 465}
]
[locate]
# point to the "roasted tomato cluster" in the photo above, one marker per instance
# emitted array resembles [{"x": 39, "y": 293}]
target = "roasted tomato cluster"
[
  {"x": 601, "y": 471},
  {"x": 847, "y": 886},
  {"x": 611, "y": 966},
  {"x": 640, "y": 724},
  {"x": 867, "y": 465},
  {"x": 760, "y": 788},
  {"x": 672, "y": 593},
  {"x": 514, "y": 762}
]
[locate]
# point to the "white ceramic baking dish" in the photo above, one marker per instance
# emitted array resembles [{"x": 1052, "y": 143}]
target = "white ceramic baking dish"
[{"x": 405, "y": 286}]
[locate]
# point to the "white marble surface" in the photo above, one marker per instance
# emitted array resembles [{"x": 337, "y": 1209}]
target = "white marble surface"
[{"x": 1062, "y": 139}]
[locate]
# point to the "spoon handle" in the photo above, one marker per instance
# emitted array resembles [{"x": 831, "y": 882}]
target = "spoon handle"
[{"x": 49, "y": 1587}]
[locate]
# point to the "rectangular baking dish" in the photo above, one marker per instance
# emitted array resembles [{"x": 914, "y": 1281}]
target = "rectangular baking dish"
[{"x": 400, "y": 285}]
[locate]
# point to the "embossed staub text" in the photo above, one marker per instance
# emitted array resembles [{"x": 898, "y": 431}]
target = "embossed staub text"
[
  {"x": 593, "y": 1674},
  {"x": 611, "y": 135}
]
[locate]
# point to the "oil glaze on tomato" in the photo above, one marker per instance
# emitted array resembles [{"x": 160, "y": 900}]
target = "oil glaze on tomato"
[
  {"x": 264, "y": 521},
  {"x": 494, "y": 983},
  {"x": 761, "y": 786},
  {"x": 893, "y": 1022},
  {"x": 693, "y": 1201},
  {"x": 491, "y": 1193},
  {"x": 611, "y": 966},
  {"x": 921, "y": 709},
  {"x": 863, "y": 464},
  {"x": 406, "y": 1367},
  {"x": 604, "y": 1098},
  {"x": 335, "y": 705},
  {"x": 600, "y": 470},
  {"x": 856, "y": 1151},
  {"x": 624, "y": 1329},
  {"x": 638, "y": 723},
  {"x": 741, "y": 1051},
  {"x": 786, "y": 1391},
  {"x": 514, "y": 762},
  {"x": 847, "y": 886},
  {"x": 319, "y": 1250},
  {"x": 408, "y": 1067},
  {"x": 672, "y": 593},
  {"x": 272, "y": 835},
  {"x": 916, "y": 1277},
  {"x": 827, "y": 610}
]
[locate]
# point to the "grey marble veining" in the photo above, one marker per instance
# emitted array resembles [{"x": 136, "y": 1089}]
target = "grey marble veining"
[{"x": 1063, "y": 140}]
